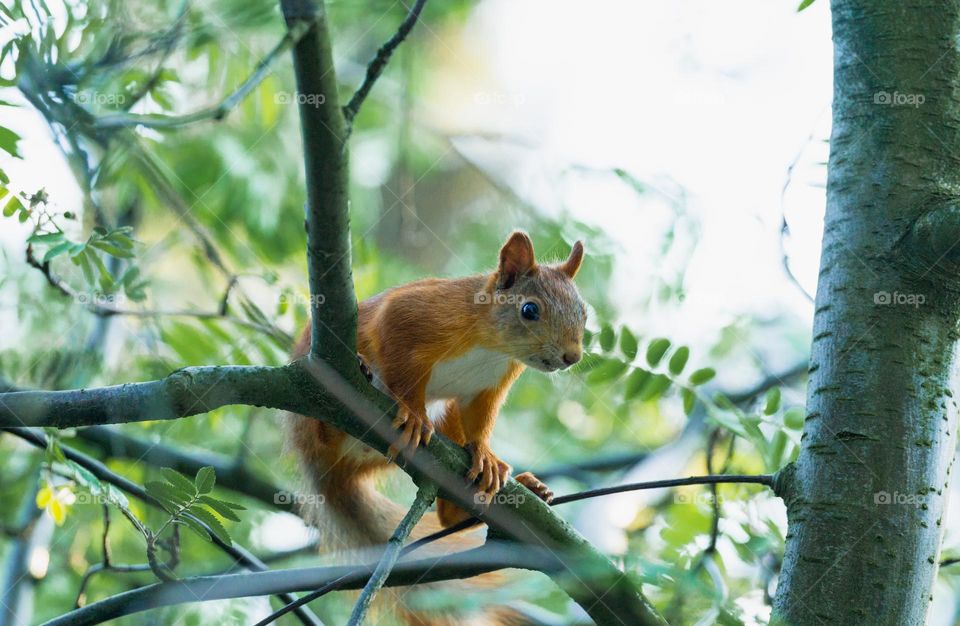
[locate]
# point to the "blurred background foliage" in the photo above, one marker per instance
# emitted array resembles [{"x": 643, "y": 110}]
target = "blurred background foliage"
[{"x": 169, "y": 247}]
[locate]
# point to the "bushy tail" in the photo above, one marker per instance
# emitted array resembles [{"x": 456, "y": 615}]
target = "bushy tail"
[{"x": 355, "y": 520}]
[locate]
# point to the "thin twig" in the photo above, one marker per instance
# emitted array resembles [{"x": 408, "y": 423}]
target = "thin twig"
[
  {"x": 714, "y": 501},
  {"x": 379, "y": 62},
  {"x": 96, "y": 307},
  {"x": 425, "y": 497},
  {"x": 98, "y": 469},
  {"x": 218, "y": 111},
  {"x": 784, "y": 226},
  {"x": 758, "y": 479},
  {"x": 470, "y": 522}
]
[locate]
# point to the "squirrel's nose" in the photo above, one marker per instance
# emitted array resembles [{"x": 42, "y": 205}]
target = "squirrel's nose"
[{"x": 570, "y": 358}]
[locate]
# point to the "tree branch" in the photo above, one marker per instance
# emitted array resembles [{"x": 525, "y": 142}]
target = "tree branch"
[
  {"x": 216, "y": 112},
  {"x": 207, "y": 588},
  {"x": 607, "y": 595},
  {"x": 107, "y": 310},
  {"x": 185, "y": 392},
  {"x": 425, "y": 497},
  {"x": 238, "y": 553},
  {"x": 230, "y": 475},
  {"x": 333, "y": 304},
  {"x": 380, "y": 60}
]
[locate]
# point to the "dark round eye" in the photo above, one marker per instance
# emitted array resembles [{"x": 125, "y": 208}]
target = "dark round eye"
[{"x": 530, "y": 311}]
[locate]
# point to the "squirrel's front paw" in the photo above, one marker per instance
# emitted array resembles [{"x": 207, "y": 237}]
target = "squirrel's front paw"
[
  {"x": 488, "y": 471},
  {"x": 534, "y": 484},
  {"x": 415, "y": 427}
]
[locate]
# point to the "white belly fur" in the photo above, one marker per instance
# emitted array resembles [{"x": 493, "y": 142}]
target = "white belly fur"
[
  {"x": 459, "y": 378},
  {"x": 467, "y": 375}
]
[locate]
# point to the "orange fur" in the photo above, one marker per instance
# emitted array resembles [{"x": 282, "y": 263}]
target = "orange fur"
[{"x": 462, "y": 342}]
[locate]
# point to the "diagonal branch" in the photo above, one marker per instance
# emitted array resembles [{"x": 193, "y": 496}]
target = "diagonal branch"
[
  {"x": 380, "y": 60},
  {"x": 457, "y": 566},
  {"x": 230, "y": 474},
  {"x": 425, "y": 497},
  {"x": 239, "y": 554},
  {"x": 218, "y": 111}
]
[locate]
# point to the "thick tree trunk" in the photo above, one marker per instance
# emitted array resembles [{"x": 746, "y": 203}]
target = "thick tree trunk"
[{"x": 866, "y": 497}]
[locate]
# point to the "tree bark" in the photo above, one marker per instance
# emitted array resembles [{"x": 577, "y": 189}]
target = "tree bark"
[{"x": 866, "y": 496}]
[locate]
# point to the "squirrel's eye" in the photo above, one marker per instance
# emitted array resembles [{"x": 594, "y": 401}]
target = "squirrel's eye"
[{"x": 530, "y": 311}]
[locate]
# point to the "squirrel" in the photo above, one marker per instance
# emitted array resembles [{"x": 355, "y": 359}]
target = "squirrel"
[{"x": 447, "y": 351}]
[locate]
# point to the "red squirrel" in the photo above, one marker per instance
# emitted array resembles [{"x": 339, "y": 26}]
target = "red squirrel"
[{"x": 447, "y": 350}]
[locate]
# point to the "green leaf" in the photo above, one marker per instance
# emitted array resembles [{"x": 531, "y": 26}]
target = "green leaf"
[
  {"x": 116, "y": 251},
  {"x": 655, "y": 351},
  {"x": 689, "y": 400},
  {"x": 793, "y": 418},
  {"x": 654, "y": 387},
  {"x": 635, "y": 382},
  {"x": 83, "y": 261},
  {"x": 86, "y": 477},
  {"x": 211, "y": 520},
  {"x": 772, "y": 401},
  {"x": 120, "y": 240},
  {"x": 166, "y": 491},
  {"x": 13, "y": 205},
  {"x": 628, "y": 343},
  {"x": 607, "y": 337},
  {"x": 106, "y": 279},
  {"x": 679, "y": 360},
  {"x": 777, "y": 446},
  {"x": 196, "y": 527},
  {"x": 4, "y": 178},
  {"x": 702, "y": 376},
  {"x": 205, "y": 479},
  {"x": 751, "y": 425},
  {"x": 587, "y": 338},
  {"x": 221, "y": 508},
  {"x": 728, "y": 421},
  {"x": 55, "y": 251},
  {"x": 8, "y": 142},
  {"x": 46, "y": 238},
  {"x": 723, "y": 402},
  {"x": 180, "y": 482},
  {"x": 804, "y": 4},
  {"x": 608, "y": 370}
]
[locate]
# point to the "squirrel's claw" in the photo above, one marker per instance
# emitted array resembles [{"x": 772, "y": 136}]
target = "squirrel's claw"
[
  {"x": 415, "y": 428},
  {"x": 534, "y": 484},
  {"x": 488, "y": 471}
]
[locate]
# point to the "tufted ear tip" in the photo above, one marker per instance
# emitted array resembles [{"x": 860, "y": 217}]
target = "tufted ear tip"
[{"x": 571, "y": 266}]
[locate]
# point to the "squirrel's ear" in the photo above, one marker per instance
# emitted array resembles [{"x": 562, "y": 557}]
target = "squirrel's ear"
[
  {"x": 571, "y": 266},
  {"x": 516, "y": 259}
]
